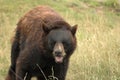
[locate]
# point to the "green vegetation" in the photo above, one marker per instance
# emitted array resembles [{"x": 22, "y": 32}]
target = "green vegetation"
[{"x": 97, "y": 56}]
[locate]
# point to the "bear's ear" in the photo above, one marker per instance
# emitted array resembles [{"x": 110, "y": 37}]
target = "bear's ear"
[{"x": 74, "y": 29}]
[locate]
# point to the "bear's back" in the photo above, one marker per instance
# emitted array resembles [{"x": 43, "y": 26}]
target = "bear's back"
[
  {"x": 31, "y": 24},
  {"x": 41, "y": 14},
  {"x": 36, "y": 17}
]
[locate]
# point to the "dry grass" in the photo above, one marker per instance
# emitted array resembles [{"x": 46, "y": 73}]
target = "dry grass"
[{"x": 98, "y": 54}]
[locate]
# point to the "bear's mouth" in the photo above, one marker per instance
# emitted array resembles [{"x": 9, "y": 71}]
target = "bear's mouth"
[
  {"x": 59, "y": 59},
  {"x": 58, "y": 52}
]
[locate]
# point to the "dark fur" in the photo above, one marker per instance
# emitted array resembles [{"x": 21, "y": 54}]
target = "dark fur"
[{"x": 29, "y": 46}]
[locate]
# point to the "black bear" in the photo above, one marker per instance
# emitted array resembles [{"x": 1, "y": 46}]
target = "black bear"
[{"x": 43, "y": 40}]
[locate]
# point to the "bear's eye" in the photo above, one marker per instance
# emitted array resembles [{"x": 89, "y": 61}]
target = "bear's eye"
[
  {"x": 66, "y": 45},
  {"x": 52, "y": 43}
]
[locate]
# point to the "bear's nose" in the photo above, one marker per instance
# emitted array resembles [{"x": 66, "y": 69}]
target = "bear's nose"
[{"x": 58, "y": 53}]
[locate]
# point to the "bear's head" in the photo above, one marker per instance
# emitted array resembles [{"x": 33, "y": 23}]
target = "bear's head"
[{"x": 61, "y": 41}]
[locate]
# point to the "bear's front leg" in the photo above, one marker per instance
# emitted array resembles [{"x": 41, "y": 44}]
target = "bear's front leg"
[
  {"x": 60, "y": 70},
  {"x": 23, "y": 65}
]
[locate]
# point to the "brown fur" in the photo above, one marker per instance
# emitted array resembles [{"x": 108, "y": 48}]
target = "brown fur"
[
  {"x": 36, "y": 19},
  {"x": 30, "y": 36}
]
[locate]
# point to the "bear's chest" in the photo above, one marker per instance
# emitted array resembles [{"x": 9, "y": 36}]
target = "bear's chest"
[{"x": 41, "y": 71}]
